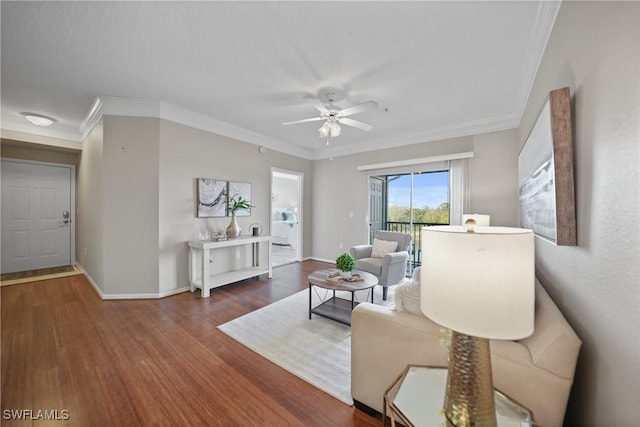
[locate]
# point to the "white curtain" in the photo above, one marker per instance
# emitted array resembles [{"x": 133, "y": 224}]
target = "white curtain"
[{"x": 459, "y": 190}]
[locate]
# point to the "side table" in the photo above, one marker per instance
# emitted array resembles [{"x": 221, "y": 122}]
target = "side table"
[{"x": 416, "y": 398}]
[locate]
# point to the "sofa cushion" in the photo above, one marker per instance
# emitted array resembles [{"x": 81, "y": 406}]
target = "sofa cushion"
[{"x": 382, "y": 247}]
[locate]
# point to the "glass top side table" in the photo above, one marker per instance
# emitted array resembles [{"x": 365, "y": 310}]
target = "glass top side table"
[{"x": 417, "y": 395}]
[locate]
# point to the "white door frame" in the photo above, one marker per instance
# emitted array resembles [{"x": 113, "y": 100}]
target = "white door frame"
[
  {"x": 72, "y": 213},
  {"x": 300, "y": 214}
]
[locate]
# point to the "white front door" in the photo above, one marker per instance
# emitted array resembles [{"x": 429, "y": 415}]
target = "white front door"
[{"x": 36, "y": 216}]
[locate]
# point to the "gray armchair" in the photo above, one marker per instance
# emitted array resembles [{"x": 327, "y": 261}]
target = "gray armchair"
[{"x": 390, "y": 268}]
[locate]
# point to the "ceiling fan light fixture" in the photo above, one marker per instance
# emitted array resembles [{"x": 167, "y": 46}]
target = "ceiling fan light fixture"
[
  {"x": 38, "y": 119},
  {"x": 335, "y": 129},
  {"x": 324, "y": 130}
]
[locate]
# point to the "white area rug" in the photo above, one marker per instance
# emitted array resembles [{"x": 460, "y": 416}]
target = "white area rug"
[{"x": 316, "y": 350}]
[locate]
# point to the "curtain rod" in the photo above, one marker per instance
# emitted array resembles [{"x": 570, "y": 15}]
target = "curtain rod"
[{"x": 413, "y": 162}]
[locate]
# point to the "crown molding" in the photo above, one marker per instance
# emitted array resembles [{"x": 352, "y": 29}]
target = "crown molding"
[
  {"x": 474, "y": 127},
  {"x": 58, "y": 137},
  {"x": 91, "y": 120},
  {"x": 135, "y": 107},
  {"x": 545, "y": 19},
  {"x": 132, "y": 107},
  {"x": 190, "y": 118}
]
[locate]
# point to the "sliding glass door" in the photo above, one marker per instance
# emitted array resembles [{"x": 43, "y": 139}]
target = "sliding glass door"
[{"x": 411, "y": 201}]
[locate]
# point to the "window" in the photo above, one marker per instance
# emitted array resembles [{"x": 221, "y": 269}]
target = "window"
[{"x": 419, "y": 198}]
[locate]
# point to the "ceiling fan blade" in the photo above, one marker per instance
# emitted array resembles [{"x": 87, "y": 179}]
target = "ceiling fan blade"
[
  {"x": 358, "y": 108},
  {"x": 317, "y": 104},
  {"x": 313, "y": 119},
  {"x": 356, "y": 124}
]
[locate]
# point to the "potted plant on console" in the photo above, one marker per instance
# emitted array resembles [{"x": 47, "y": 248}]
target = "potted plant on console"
[
  {"x": 234, "y": 204},
  {"x": 345, "y": 263}
]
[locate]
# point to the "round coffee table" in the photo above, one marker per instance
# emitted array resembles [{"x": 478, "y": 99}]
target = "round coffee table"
[{"x": 335, "y": 308}]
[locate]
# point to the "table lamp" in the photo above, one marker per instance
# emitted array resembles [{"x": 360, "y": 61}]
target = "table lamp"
[
  {"x": 483, "y": 220},
  {"x": 479, "y": 282}
]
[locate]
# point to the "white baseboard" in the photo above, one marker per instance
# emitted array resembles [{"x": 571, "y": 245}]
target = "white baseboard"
[
  {"x": 90, "y": 279},
  {"x": 104, "y": 296}
]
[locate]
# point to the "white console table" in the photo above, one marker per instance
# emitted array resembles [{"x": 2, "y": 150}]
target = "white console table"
[{"x": 201, "y": 276}]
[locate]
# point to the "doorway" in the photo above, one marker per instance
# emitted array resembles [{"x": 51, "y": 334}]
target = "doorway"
[
  {"x": 38, "y": 221},
  {"x": 406, "y": 202},
  {"x": 286, "y": 216}
]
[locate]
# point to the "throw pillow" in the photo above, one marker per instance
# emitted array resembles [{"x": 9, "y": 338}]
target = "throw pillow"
[
  {"x": 288, "y": 216},
  {"x": 382, "y": 247},
  {"x": 406, "y": 296}
]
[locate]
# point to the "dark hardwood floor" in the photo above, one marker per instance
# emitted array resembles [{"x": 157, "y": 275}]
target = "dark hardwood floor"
[{"x": 152, "y": 362}]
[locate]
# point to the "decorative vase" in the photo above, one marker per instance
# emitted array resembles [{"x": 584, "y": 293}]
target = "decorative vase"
[
  {"x": 346, "y": 274},
  {"x": 233, "y": 230}
]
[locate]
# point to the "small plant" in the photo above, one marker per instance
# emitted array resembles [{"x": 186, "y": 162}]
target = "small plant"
[
  {"x": 237, "y": 203},
  {"x": 345, "y": 262}
]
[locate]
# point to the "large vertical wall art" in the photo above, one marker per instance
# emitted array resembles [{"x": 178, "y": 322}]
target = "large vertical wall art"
[{"x": 545, "y": 172}]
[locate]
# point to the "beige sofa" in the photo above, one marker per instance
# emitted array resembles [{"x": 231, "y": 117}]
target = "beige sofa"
[{"x": 536, "y": 371}]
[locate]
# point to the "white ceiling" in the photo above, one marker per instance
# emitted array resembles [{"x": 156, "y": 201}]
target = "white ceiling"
[{"x": 436, "y": 69}]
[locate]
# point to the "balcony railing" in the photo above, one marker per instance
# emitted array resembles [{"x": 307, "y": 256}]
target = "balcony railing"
[{"x": 415, "y": 254}]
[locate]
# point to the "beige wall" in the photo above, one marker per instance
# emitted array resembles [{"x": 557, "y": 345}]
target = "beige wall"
[
  {"x": 130, "y": 208},
  {"x": 594, "y": 49},
  {"x": 187, "y": 154},
  {"x": 493, "y": 177},
  {"x": 89, "y": 207},
  {"x": 339, "y": 188}
]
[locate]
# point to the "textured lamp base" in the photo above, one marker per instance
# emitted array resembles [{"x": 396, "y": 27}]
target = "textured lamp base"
[{"x": 469, "y": 399}]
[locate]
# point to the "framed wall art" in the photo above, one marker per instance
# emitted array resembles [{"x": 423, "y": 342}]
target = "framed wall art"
[
  {"x": 241, "y": 189},
  {"x": 545, "y": 173},
  {"x": 212, "y": 198}
]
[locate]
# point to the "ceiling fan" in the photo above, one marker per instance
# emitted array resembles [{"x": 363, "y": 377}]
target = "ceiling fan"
[{"x": 333, "y": 116}]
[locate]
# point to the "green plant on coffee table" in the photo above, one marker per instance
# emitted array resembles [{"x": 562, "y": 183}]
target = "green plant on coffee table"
[{"x": 345, "y": 262}]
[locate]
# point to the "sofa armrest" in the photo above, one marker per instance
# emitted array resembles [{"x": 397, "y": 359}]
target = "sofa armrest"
[
  {"x": 542, "y": 392},
  {"x": 554, "y": 346},
  {"x": 383, "y": 343},
  {"x": 361, "y": 251}
]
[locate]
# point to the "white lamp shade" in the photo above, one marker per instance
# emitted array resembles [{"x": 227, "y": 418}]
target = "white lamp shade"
[
  {"x": 481, "y": 220},
  {"x": 480, "y": 284}
]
